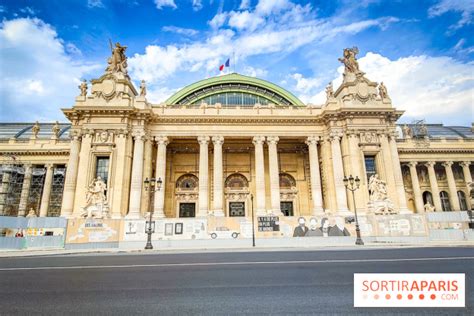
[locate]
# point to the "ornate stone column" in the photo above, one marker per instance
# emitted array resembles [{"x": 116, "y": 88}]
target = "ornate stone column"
[
  {"x": 218, "y": 185},
  {"x": 83, "y": 171},
  {"x": 25, "y": 190},
  {"x": 466, "y": 172},
  {"x": 316, "y": 189},
  {"x": 397, "y": 174},
  {"x": 338, "y": 170},
  {"x": 453, "y": 193},
  {"x": 71, "y": 177},
  {"x": 389, "y": 173},
  {"x": 259, "y": 175},
  {"x": 416, "y": 186},
  {"x": 147, "y": 173},
  {"x": 137, "y": 176},
  {"x": 4, "y": 191},
  {"x": 162, "y": 142},
  {"x": 117, "y": 200},
  {"x": 356, "y": 170},
  {"x": 48, "y": 183},
  {"x": 272, "y": 142},
  {"x": 434, "y": 186},
  {"x": 203, "y": 175}
]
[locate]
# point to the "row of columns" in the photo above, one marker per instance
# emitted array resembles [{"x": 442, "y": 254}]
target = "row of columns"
[
  {"x": 218, "y": 210},
  {"x": 453, "y": 197},
  {"x": 25, "y": 190}
]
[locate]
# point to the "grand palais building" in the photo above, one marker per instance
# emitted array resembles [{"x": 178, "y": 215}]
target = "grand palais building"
[{"x": 230, "y": 146}]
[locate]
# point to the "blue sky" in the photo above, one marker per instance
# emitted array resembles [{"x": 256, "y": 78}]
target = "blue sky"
[{"x": 422, "y": 50}]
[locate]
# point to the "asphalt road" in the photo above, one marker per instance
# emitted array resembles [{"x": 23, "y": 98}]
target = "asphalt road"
[{"x": 280, "y": 282}]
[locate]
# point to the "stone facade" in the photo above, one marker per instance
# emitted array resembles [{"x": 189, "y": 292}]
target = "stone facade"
[{"x": 215, "y": 158}]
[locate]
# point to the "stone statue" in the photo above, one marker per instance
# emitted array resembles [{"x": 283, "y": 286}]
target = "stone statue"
[
  {"x": 35, "y": 129},
  {"x": 407, "y": 132},
  {"x": 56, "y": 129},
  {"x": 143, "y": 88},
  {"x": 428, "y": 207},
  {"x": 350, "y": 61},
  {"x": 96, "y": 201},
  {"x": 377, "y": 188},
  {"x": 383, "y": 91},
  {"x": 83, "y": 88},
  {"x": 329, "y": 90},
  {"x": 118, "y": 61}
]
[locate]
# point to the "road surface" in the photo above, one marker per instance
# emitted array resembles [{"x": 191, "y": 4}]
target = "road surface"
[{"x": 271, "y": 282}]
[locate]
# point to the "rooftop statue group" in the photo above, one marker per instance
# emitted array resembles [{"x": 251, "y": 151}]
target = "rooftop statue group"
[{"x": 118, "y": 61}]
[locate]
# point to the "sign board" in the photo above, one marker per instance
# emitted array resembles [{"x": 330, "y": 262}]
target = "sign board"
[{"x": 268, "y": 224}]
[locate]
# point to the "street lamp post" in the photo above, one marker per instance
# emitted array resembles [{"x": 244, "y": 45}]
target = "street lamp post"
[
  {"x": 353, "y": 185},
  {"x": 253, "y": 222},
  {"x": 151, "y": 185}
]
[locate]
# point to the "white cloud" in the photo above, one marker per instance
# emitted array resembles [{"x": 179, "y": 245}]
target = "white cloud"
[
  {"x": 305, "y": 85},
  {"x": 28, "y": 11},
  {"x": 218, "y": 20},
  {"x": 95, "y": 4},
  {"x": 179, "y": 30},
  {"x": 197, "y": 5},
  {"x": 245, "y": 20},
  {"x": 465, "y": 7},
  {"x": 267, "y": 7},
  {"x": 160, "y": 4},
  {"x": 37, "y": 72},
  {"x": 254, "y": 72},
  {"x": 244, "y": 4},
  {"x": 438, "y": 89},
  {"x": 460, "y": 49}
]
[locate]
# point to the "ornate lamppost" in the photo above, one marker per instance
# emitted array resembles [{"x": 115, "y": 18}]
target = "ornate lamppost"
[
  {"x": 151, "y": 185},
  {"x": 353, "y": 185}
]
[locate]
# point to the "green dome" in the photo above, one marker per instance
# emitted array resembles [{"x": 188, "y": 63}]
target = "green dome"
[{"x": 234, "y": 89}]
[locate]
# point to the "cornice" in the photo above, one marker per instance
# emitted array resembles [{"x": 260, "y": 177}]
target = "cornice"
[{"x": 234, "y": 120}]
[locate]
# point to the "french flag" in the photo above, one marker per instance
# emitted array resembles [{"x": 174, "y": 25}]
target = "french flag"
[{"x": 227, "y": 64}]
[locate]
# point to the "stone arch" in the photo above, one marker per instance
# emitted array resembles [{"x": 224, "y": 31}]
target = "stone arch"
[
  {"x": 236, "y": 195},
  {"x": 288, "y": 194},
  {"x": 187, "y": 182},
  {"x": 236, "y": 181},
  {"x": 186, "y": 195},
  {"x": 287, "y": 181}
]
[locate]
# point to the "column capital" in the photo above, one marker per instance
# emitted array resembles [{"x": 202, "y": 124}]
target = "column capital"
[
  {"x": 465, "y": 164},
  {"x": 272, "y": 140},
  {"x": 258, "y": 140},
  {"x": 412, "y": 164},
  {"x": 162, "y": 140},
  {"x": 49, "y": 165},
  {"x": 139, "y": 134},
  {"x": 335, "y": 136},
  {"x": 447, "y": 164},
  {"x": 430, "y": 164},
  {"x": 87, "y": 133},
  {"x": 203, "y": 140},
  {"x": 218, "y": 140},
  {"x": 312, "y": 140}
]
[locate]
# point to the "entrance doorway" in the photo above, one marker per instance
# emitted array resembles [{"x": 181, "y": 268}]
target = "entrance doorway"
[
  {"x": 236, "y": 209},
  {"x": 287, "y": 208},
  {"x": 187, "y": 210}
]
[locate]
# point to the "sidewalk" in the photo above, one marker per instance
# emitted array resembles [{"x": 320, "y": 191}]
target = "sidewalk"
[{"x": 5, "y": 253}]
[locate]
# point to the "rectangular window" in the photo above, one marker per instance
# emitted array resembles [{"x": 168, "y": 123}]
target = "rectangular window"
[
  {"x": 102, "y": 169},
  {"x": 236, "y": 209},
  {"x": 370, "y": 167},
  {"x": 287, "y": 208}
]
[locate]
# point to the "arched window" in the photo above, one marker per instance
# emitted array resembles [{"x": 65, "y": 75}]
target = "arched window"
[
  {"x": 427, "y": 197},
  {"x": 287, "y": 181},
  {"x": 462, "y": 200},
  {"x": 236, "y": 181},
  {"x": 187, "y": 182},
  {"x": 445, "y": 201}
]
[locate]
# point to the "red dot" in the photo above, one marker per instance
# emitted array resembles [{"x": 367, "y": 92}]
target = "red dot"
[
  {"x": 410, "y": 296},
  {"x": 399, "y": 296},
  {"x": 387, "y": 296},
  {"x": 422, "y": 296},
  {"x": 433, "y": 296},
  {"x": 376, "y": 296}
]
